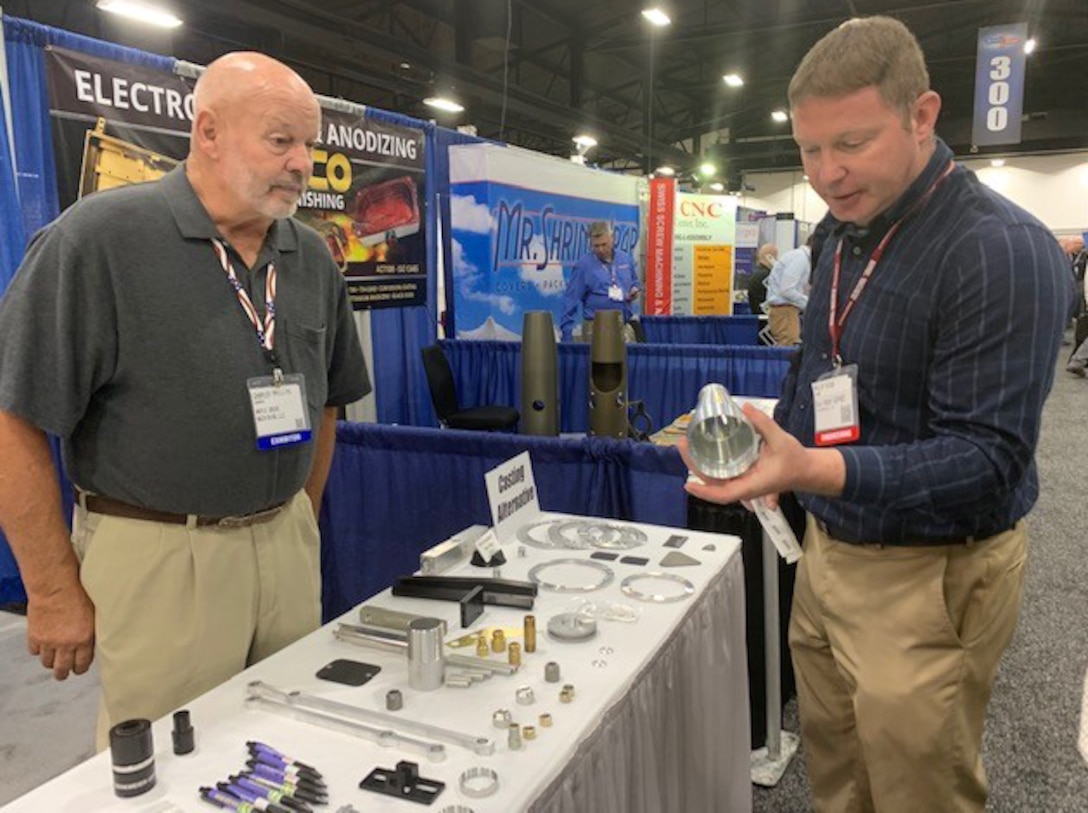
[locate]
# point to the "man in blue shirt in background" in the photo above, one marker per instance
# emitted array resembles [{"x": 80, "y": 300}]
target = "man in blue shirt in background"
[
  {"x": 604, "y": 279},
  {"x": 907, "y": 428},
  {"x": 787, "y": 294}
]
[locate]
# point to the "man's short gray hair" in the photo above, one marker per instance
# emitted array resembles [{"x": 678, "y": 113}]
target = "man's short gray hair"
[{"x": 599, "y": 228}]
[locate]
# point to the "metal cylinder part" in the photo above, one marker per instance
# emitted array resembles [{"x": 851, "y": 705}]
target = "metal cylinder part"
[
  {"x": 539, "y": 375},
  {"x": 133, "y": 754},
  {"x": 528, "y": 732},
  {"x": 608, "y": 376},
  {"x": 545, "y": 720},
  {"x": 426, "y": 661},
  {"x": 530, "y": 633},
  {"x": 721, "y": 441},
  {"x": 513, "y": 736},
  {"x": 498, "y": 641},
  {"x": 513, "y": 653},
  {"x": 482, "y": 649},
  {"x": 394, "y": 700},
  {"x": 501, "y": 718},
  {"x": 551, "y": 672}
]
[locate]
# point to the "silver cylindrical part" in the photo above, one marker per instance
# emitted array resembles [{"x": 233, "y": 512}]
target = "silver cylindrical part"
[
  {"x": 721, "y": 441},
  {"x": 426, "y": 662}
]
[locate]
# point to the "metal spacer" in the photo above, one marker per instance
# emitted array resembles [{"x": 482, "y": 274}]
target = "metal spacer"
[
  {"x": 478, "y": 781},
  {"x": 528, "y": 732},
  {"x": 394, "y": 700},
  {"x": 501, "y": 718},
  {"x": 545, "y": 720},
  {"x": 525, "y": 695}
]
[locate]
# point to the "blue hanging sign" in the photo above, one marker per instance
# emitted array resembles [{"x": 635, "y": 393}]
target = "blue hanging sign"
[{"x": 999, "y": 84}]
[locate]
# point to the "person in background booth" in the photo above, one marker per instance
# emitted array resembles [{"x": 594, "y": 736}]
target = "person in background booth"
[
  {"x": 604, "y": 279},
  {"x": 907, "y": 429},
  {"x": 787, "y": 294},
  {"x": 190, "y": 343},
  {"x": 765, "y": 258}
]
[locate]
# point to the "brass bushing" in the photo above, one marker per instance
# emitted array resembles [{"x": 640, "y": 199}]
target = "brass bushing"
[
  {"x": 482, "y": 649},
  {"x": 498, "y": 641},
  {"x": 530, "y": 633},
  {"x": 528, "y": 732},
  {"x": 545, "y": 720},
  {"x": 513, "y": 653}
]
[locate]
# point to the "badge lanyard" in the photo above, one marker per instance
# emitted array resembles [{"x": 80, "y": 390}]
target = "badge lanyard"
[
  {"x": 836, "y": 321},
  {"x": 266, "y": 329}
]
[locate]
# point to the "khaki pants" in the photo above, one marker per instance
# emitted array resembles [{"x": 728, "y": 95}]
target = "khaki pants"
[
  {"x": 179, "y": 610},
  {"x": 895, "y": 650},
  {"x": 785, "y": 324}
]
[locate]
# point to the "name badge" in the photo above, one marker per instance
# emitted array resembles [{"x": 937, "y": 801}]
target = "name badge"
[
  {"x": 835, "y": 403},
  {"x": 615, "y": 293},
  {"x": 279, "y": 410}
]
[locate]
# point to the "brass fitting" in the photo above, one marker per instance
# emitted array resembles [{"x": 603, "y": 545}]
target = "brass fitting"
[
  {"x": 545, "y": 720},
  {"x": 530, "y": 633},
  {"x": 498, "y": 641},
  {"x": 514, "y": 653},
  {"x": 528, "y": 732},
  {"x": 482, "y": 649}
]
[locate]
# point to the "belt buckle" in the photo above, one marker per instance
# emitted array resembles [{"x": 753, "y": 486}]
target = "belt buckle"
[{"x": 249, "y": 519}]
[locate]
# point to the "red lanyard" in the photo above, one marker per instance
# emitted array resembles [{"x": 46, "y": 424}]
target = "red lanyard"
[
  {"x": 266, "y": 328},
  {"x": 835, "y": 321}
]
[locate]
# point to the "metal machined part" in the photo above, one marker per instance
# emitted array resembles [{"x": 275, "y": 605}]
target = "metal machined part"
[
  {"x": 456, "y": 809},
  {"x": 478, "y": 782},
  {"x": 385, "y": 737},
  {"x": 513, "y": 737},
  {"x": 600, "y": 664},
  {"x": 566, "y": 695},
  {"x": 478, "y": 745},
  {"x": 448, "y": 554},
  {"x": 378, "y": 616},
  {"x": 482, "y": 664},
  {"x": 528, "y": 732},
  {"x": 526, "y": 534},
  {"x": 525, "y": 695},
  {"x": 513, "y": 653},
  {"x": 352, "y": 634},
  {"x": 571, "y": 627},
  {"x": 394, "y": 700},
  {"x": 551, "y": 672},
  {"x": 687, "y": 589},
  {"x": 530, "y": 633},
  {"x": 426, "y": 657},
  {"x": 501, "y": 718},
  {"x": 482, "y": 649},
  {"x": 603, "y": 573},
  {"x": 498, "y": 641},
  {"x": 582, "y": 533},
  {"x": 545, "y": 720}
]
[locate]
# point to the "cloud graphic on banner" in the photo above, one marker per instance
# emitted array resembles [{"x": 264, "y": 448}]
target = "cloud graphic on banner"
[
  {"x": 468, "y": 215},
  {"x": 468, "y": 277},
  {"x": 548, "y": 280}
]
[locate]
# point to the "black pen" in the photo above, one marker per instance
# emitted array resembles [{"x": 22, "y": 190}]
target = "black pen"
[
  {"x": 289, "y": 788},
  {"x": 278, "y": 773},
  {"x": 253, "y": 745},
  {"x": 287, "y": 769}
]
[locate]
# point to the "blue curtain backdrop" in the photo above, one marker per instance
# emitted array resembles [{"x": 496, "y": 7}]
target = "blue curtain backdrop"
[
  {"x": 12, "y": 237},
  {"x": 740, "y": 330},
  {"x": 667, "y": 378},
  {"x": 395, "y": 491}
]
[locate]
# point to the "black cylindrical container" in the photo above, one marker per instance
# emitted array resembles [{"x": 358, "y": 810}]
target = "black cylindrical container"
[{"x": 133, "y": 754}]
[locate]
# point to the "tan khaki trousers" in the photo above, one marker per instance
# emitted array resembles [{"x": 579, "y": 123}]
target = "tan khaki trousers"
[
  {"x": 179, "y": 610},
  {"x": 785, "y": 324},
  {"x": 895, "y": 650}
]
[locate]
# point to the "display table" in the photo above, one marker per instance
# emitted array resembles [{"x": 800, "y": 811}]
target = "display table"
[{"x": 659, "y": 721}]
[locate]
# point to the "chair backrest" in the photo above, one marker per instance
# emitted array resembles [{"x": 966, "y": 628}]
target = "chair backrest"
[{"x": 440, "y": 382}]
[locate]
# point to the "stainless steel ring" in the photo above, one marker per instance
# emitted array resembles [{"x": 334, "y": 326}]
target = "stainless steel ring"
[
  {"x": 488, "y": 786},
  {"x": 629, "y": 589},
  {"x": 606, "y": 576}
]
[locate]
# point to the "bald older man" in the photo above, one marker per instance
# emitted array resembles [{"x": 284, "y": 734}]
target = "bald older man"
[{"x": 190, "y": 343}]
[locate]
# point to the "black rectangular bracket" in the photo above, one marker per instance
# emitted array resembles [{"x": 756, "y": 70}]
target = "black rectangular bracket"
[{"x": 404, "y": 783}]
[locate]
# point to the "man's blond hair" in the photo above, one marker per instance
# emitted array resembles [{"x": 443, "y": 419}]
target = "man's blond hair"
[{"x": 864, "y": 52}]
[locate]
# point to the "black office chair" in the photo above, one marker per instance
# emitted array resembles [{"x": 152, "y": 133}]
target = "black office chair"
[{"x": 444, "y": 398}]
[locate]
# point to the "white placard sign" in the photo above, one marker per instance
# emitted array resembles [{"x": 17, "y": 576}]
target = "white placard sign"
[{"x": 511, "y": 491}]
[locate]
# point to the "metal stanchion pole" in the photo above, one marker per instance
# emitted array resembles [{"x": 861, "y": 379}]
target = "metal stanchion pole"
[{"x": 771, "y": 761}]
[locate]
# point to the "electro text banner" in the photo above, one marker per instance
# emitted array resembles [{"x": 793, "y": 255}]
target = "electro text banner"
[{"x": 659, "y": 247}]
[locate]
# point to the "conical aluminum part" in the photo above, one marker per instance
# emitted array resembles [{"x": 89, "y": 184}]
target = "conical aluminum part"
[{"x": 721, "y": 441}]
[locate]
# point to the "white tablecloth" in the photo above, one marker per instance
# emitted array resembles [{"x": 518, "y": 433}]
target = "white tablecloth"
[{"x": 659, "y": 723}]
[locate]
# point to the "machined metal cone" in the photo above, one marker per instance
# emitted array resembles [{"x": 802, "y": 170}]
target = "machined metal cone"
[{"x": 721, "y": 441}]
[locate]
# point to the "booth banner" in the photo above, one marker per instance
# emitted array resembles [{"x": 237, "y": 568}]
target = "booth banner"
[
  {"x": 744, "y": 257},
  {"x": 999, "y": 84},
  {"x": 116, "y": 123},
  {"x": 519, "y": 221},
  {"x": 702, "y": 260},
  {"x": 366, "y": 199},
  {"x": 659, "y": 247}
]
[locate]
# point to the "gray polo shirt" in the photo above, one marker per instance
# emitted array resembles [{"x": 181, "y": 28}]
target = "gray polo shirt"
[{"x": 122, "y": 335}]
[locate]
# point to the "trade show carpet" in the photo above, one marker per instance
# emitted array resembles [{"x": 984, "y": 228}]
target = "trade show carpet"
[{"x": 1030, "y": 746}]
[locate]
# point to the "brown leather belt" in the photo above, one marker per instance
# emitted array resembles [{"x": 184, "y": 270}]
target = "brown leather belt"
[{"x": 115, "y": 508}]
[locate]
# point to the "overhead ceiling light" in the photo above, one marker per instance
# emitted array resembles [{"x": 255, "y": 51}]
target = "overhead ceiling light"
[
  {"x": 1029, "y": 46},
  {"x": 656, "y": 16},
  {"x": 585, "y": 140},
  {"x": 734, "y": 80},
  {"x": 997, "y": 162},
  {"x": 717, "y": 187},
  {"x": 444, "y": 104},
  {"x": 780, "y": 116},
  {"x": 668, "y": 172},
  {"x": 708, "y": 170},
  {"x": 143, "y": 12}
]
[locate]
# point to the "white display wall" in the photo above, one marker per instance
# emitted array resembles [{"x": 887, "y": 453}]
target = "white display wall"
[{"x": 1054, "y": 188}]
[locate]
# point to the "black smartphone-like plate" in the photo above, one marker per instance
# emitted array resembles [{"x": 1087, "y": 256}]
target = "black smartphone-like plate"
[{"x": 350, "y": 673}]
